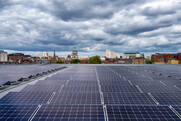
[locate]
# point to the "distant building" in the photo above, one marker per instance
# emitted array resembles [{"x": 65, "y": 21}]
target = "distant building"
[
  {"x": 50, "y": 57},
  {"x": 75, "y": 54},
  {"x": 20, "y": 58},
  {"x": 132, "y": 55},
  {"x": 139, "y": 60},
  {"x": 166, "y": 58},
  {"x": 3, "y": 56},
  {"x": 110, "y": 54},
  {"x": 69, "y": 57},
  {"x": 45, "y": 54},
  {"x": 113, "y": 55},
  {"x": 173, "y": 62}
]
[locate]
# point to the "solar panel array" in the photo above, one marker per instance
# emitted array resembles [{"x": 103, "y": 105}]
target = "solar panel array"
[
  {"x": 15, "y": 72},
  {"x": 98, "y": 93}
]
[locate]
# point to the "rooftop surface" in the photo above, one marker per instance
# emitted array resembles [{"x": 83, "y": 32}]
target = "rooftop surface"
[{"x": 93, "y": 93}]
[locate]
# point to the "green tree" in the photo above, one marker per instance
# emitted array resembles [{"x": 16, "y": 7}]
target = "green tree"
[
  {"x": 75, "y": 61},
  {"x": 95, "y": 60},
  {"x": 59, "y": 62},
  {"x": 149, "y": 61}
]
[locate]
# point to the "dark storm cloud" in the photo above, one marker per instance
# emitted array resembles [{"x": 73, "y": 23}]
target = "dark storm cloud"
[
  {"x": 85, "y": 9},
  {"x": 4, "y": 3},
  {"x": 90, "y": 25}
]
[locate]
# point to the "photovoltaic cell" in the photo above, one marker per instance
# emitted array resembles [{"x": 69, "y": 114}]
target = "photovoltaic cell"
[
  {"x": 128, "y": 98},
  {"x": 168, "y": 98},
  {"x": 80, "y": 89},
  {"x": 51, "y": 82},
  {"x": 76, "y": 98},
  {"x": 141, "y": 113},
  {"x": 16, "y": 112},
  {"x": 115, "y": 83},
  {"x": 26, "y": 98},
  {"x": 70, "y": 113},
  {"x": 121, "y": 89},
  {"x": 41, "y": 88},
  {"x": 82, "y": 83},
  {"x": 159, "y": 89}
]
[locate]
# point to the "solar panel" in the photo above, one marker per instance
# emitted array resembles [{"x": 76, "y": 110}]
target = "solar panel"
[
  {"x": 159, "y": 89},
  {"x": 83, "y": 92},
  {"x": 51, "y": 82},
  {"x": 116, "y": 83},
  {"x": 10, "y": 73},
  {"x": 80, "y": 89},
  {"x": 127, "y": 98},
  {"x": 41, "y": 88},
  {"x": 70, "y": 113},
  {"x": 141, "y": 113},
  {"x": 168, "y": 98},
  {"x": 147, "y": 83},
  {"x": 26, "y": 98},
  {"x": 76, "y": 98},
  {"x": 121, "y": 89},
  {"x": 16, "y": 112},
  {"x": 82, "y": 83}
]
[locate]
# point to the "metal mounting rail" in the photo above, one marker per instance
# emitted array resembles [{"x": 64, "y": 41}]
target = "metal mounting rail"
[
  {"x": 130, "y": 83},
  {"x": 153, "y": 98},
  {"x": 139, "y": 89},
  {"x": 175, "y": 111},
  {"x": 105, "y": 113},
  {"x": 177, "y": 87},
  {"x": 61, "y": 88},
  {"x": 34, "y": 113},
  {"x": 50, "y": 99}
]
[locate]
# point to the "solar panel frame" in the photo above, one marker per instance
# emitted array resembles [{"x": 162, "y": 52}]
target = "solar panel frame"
[
  {"x": 26, "y": 98},
  {"x": 128, "y": 99},
  {"x": 121, "y": 89},
  {"x": 168, "y": 98},
  {"x": 16, "y": 112},
  {"x": 143, "y": 113},
  {"x": 70, "y": 113},
  {"x": 76, "y": 98},
  {"x": 80, "y": 89},
  {"x": 159, "y": 89}
]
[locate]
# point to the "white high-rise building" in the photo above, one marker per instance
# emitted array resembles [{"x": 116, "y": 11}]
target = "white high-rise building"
[
  {"x": 3, "y": 56},
  {"x": 45, "y": 54},
  {"x": 110, "y": 54}
]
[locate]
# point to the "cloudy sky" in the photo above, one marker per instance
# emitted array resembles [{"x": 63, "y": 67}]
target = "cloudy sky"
[{"x": 33, "y": 26}]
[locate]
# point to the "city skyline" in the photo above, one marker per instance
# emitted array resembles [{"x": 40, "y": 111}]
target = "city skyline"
[{"x": 32, "y": 27}]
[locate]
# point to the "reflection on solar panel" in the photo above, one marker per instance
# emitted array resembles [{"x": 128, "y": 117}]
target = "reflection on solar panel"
[
  {"x": 127, "y": 98},
  {"x": 141, "y": 113},
  {"x": 26, "y": 98},
  {"x": 76, "y": 98},
  {"x": 70, "y": 113},
  {"x": 99, "y": 93},
  {"x": 16, "y": 112}
]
